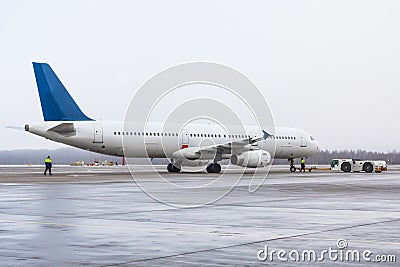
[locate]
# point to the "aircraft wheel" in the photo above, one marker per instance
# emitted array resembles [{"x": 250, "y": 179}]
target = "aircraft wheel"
[
  {"x": 214, "y": 168},
  {"x": 292, "y": 168},
  {"x": 346, "y": 167},
  {"x": 367, "y": 167},
  {"x": 172, "y": 168}
]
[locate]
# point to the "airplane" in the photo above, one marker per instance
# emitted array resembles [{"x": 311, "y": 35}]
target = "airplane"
[{"x": 245, "y": 146}]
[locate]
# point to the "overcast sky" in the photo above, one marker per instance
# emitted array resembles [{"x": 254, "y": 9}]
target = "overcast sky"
[{"x": 329, "y": 67}]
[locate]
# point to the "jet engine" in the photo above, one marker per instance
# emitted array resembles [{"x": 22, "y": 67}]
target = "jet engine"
[{"x": 252, "y": 159}]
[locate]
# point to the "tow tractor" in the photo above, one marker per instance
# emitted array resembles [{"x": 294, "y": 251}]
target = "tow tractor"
[
  {"x": 349, "y": 165},
  {"x": 357, "y": 165}
]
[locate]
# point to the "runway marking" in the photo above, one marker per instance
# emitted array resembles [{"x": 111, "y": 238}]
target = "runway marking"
[
  {"x": 214, "y": 232},
  {"x": 80, "y": 175}
]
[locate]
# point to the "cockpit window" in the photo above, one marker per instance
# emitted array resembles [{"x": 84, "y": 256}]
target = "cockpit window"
[{"x": 312, "y": 138}]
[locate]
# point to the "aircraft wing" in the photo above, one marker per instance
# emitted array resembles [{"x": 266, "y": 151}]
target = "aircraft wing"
[
  {"x": 236, "y": 145},
  {"x": 194, "y": 153}
]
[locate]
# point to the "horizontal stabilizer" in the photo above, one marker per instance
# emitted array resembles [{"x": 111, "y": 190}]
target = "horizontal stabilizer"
[
  {"x": 16, "y": 127},
  {"x": 63, "y": 128}
]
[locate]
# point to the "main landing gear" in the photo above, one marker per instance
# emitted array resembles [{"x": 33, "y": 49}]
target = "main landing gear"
[
  {"x": 214, "y": 168},
  {"x": 173, "y": 168}
]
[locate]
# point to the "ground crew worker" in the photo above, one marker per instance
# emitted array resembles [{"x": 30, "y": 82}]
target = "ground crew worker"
[
  {"x": 47, "y": 163},
  {"x": 303, "y": 165}
]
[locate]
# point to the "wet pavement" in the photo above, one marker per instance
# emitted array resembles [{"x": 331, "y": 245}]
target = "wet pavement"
[{"x": 98, "y": 216}]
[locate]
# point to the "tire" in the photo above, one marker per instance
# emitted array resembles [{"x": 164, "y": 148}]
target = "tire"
[
  {"x": 292, "y": 168},
  {"x": 368, "y": 167},
  {"x": 214, "y": 168},
  {"x": 172, "y": 168},
  {"x": 346, "y": 167}
]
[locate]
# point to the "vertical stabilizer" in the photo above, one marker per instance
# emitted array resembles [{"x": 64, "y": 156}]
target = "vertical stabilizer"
[{"x": 57, "y": 103}]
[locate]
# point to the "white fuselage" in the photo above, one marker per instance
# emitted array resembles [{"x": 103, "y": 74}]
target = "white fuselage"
[{"x": 158, "y": 141}]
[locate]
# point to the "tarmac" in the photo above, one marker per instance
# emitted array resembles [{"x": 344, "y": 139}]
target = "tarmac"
[{"x": 99, "y": 216}]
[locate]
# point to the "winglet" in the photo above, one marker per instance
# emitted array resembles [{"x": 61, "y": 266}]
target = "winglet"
[
  {"x": 266, "y": 135},
  {"x": 57, "y": 103}
]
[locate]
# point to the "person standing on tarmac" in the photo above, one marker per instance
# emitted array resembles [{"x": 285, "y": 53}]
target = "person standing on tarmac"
[
  {"x": 48, "y": 164},
  {"x": 303, "y": 165}
]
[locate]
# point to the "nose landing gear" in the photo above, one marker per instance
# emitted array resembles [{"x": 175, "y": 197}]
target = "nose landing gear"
[{"x": 292, "y": 167}]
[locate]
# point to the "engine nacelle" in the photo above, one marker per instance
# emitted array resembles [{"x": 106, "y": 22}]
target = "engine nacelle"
[{"x": 252, "y": 159}]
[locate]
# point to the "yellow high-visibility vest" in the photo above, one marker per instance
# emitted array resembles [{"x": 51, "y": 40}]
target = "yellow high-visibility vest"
[
  {"x": 47, "y": 160},
  {"x": 303, "y": 161}
]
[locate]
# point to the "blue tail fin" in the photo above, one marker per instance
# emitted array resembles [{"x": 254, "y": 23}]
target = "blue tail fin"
[{"x": 57, "y": 103}]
